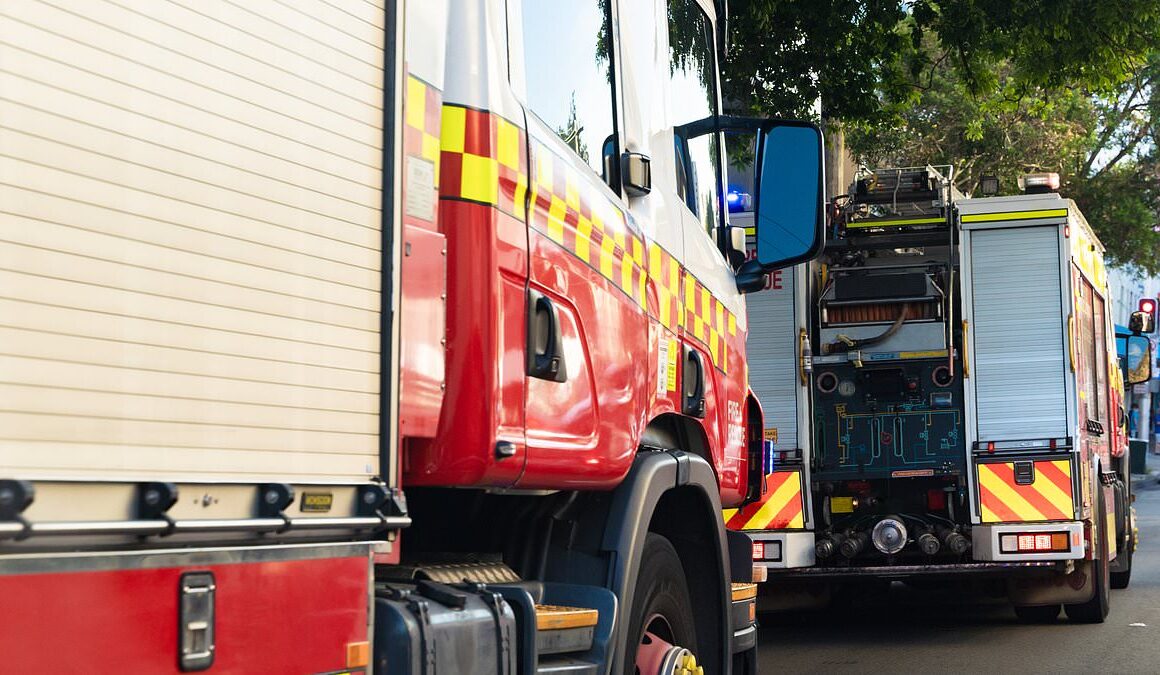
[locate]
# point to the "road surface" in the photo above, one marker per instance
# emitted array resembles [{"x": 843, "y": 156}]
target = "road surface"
[{"x": 945, "y": 632}]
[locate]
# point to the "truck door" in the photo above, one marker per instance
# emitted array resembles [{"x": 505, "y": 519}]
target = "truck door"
[
  {"x": 713, "y": 340},
  {"x": 587, "y": 285}
]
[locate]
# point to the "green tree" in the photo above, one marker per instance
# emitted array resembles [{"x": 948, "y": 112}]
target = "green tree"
[{"x": 990, "y": 86}]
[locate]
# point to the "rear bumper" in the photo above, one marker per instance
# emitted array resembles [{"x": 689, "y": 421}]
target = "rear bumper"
[
  {"x": 785, "y": 550},
  {"x": 986, "y": 541}
]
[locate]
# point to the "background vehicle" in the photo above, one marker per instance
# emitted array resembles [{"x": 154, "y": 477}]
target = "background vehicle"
[
  {"x": 955, "y": 409},
  {"x": 264, "y": 270}
]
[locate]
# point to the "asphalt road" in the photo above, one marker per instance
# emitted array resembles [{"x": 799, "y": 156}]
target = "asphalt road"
[{"x": 909, "y": 631}]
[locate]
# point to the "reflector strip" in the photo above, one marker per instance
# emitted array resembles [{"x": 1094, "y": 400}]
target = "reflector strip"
[
  {"x": 1014, "y": 215},
  {"x": 552, "y": 617},
  {"x": 744, "y": 592},
  {"x": 1049, "y": 497},
  {"x": 780, "y": 507}
]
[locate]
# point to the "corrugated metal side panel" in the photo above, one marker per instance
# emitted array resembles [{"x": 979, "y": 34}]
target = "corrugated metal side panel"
[
  {"x": 190, "y": 239},
  {"x": 771, "y": 349},
  {"x": 1019, "y": 344}
]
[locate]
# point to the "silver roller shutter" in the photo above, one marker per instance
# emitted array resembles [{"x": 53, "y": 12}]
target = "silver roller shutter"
[{"x": 1018, "y": 355}]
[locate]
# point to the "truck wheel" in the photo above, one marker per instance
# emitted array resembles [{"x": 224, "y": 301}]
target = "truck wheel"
[
  {"x": 662, "y": 615},
  {"x": 1096, "y": 609},
  {"x": 1037, "y": 613}
]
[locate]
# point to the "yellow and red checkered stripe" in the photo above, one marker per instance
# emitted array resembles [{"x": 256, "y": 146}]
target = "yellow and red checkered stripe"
[
  {"x": 1048, "y": 497},
  {"x": 482, "y": 159},
  {"x": 781, "y": 506},
  {"x": 421, "y": 116},
  {"x": 708, "y": 320},
  {"x": 665, "y": 272},
  {"x": 569, "y": 211}
]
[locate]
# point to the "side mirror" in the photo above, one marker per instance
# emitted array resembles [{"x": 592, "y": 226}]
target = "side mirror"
[
  {"x": 790, "y": 222},
  {"x": 1139, "y": 362},
  {"x": 1142, "y": 322}
]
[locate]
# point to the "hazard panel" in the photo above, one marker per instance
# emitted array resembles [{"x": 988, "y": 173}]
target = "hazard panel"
[
  {"x": 1025, "y": 491},
  {"x": 780, "y": 507}
]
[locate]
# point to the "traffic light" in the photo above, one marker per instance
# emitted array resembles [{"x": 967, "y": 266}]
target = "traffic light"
[{"x": 1147, "y": 307}]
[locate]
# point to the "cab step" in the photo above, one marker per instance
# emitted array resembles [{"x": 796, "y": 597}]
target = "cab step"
[{"x": 563, "y": 630}]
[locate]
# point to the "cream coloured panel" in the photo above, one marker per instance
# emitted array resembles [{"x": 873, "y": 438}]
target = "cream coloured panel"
[{"x": 190, "y": 247}]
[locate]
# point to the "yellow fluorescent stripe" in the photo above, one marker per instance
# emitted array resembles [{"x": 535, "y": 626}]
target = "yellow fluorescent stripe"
[
  {"x": 654, "y": 262},
  {"x": 642, "y": 288},
  {"x": 626, "y": 274},
  {"x": 556, "y": 212},
  {"x": 1014, "y": 215},
  {"x": 416, "y": 103},
  {"x": 454, "y": 127},
  {"x": 583, "y": 237},
  {"x": 790, "y": 489},
  {"x": 606, "y": 248},
  {"x": 897, "y": 221},
  {"x": 727, "y": 514},
  {"x": 989, "y": 515},
  {"x": 1008, "y": 495},
  {"x": 797, "y": 521},
  {"x": 507, "y": 144},
  {"x": 1052, "y": 493}
]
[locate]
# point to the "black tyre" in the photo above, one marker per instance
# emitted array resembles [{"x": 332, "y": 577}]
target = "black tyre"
[
  {"x": 1037, "y": 613},
  {"x": 661, "y": 606},
  {"x": 1096, "y": 609},
  {"x": 1123, "y": 576}
]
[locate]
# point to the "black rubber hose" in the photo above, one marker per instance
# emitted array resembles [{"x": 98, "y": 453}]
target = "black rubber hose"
[{"x": 839, "y": 346}]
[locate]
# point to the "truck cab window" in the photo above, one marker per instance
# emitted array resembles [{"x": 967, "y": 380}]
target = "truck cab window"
[
  {"x": 692, "y": 95},
  {"x": 569, "y": 75}
]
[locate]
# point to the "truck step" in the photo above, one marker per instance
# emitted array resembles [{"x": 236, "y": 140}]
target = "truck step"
[
  {"x": 563, "y": 630},
  {"x": 566, "y": 666}
]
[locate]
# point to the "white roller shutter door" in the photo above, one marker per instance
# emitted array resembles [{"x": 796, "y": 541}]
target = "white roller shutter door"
[{"x": 190, "y": 239}]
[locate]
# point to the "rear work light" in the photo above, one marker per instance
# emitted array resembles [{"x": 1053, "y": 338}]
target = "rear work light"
[{"x": 1034, "y": 542}]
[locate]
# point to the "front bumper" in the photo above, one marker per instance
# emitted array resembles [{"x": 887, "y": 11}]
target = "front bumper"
[{"x": 986, "y": 541}]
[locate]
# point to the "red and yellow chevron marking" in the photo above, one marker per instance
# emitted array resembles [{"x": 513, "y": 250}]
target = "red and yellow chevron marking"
[
  {"x": 780, "y": 507},
  {"x": 1049, "y": 497}
]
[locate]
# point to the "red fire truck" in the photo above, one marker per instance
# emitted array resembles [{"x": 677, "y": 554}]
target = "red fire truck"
[{"x": 378, "y": 335}]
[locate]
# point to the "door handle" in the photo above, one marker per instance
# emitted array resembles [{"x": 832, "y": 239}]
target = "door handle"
[
  {"x": 693, "y": 384},
  {"x": 545, "y": 343}
]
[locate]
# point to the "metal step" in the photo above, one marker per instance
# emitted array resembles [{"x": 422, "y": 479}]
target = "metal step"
[{"x": 563, "y": 630}]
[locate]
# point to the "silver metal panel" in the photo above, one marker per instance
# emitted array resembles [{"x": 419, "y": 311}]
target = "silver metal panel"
[
  {"x": 985, "y": 541},
  {"x": 797, "y": 549},
  {"x": 1017, "y": 328},
  {"x": 773, "y": 361}
]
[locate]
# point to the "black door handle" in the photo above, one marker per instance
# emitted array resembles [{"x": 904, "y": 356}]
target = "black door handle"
[
  {"x": 693, "y": 385},
  {"x": 545, "y": 343}
]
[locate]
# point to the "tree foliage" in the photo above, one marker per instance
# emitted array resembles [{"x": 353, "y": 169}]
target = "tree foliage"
[{"x": 991, "y": 86}]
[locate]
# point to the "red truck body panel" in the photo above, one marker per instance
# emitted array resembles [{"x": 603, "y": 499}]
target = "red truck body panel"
[{"x": 280, "y": 616}]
